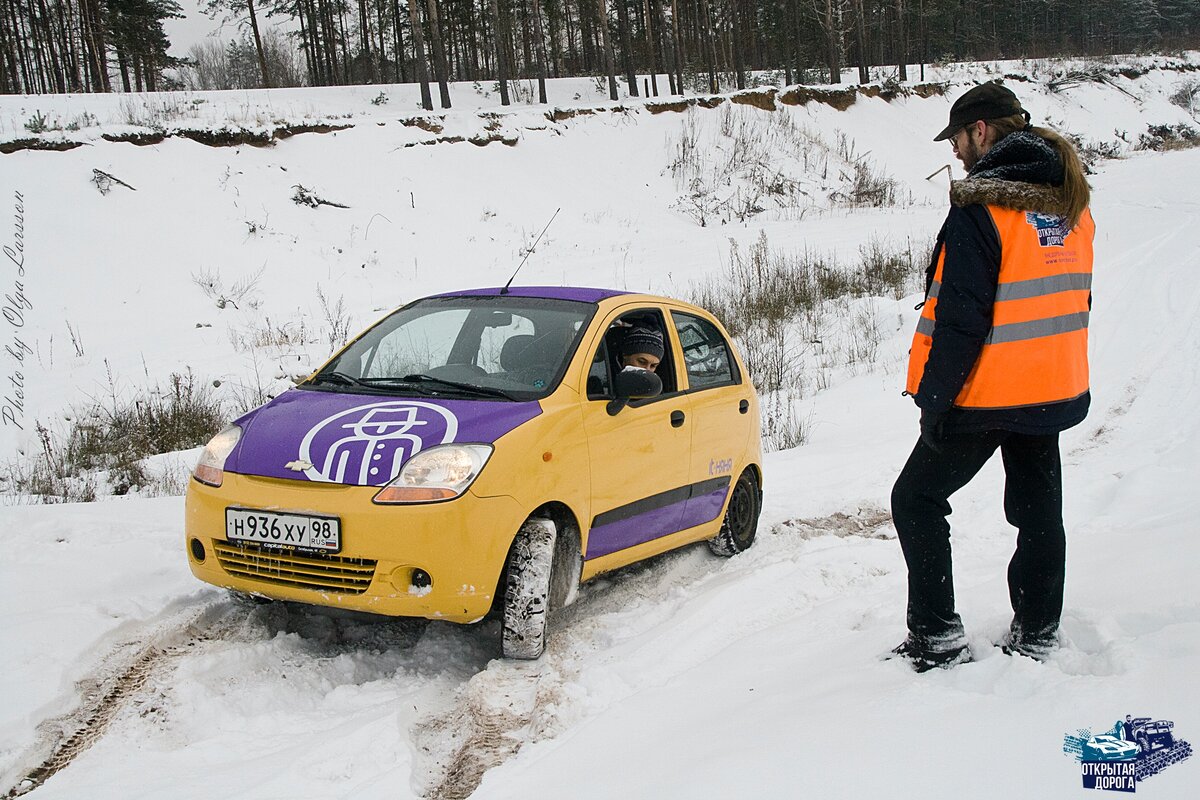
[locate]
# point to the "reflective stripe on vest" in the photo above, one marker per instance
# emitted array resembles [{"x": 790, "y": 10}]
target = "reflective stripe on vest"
[{"x": 1036, "y": 350}]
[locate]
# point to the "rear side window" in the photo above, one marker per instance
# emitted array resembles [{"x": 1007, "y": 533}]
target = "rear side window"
[{"x": 706, "y": 354}]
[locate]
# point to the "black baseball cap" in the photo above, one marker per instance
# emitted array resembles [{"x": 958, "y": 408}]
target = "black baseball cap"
[{"x": 989, "y": 101}]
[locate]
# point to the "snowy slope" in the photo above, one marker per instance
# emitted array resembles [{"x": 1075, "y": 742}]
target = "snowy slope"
[{"x": 689, "y": 676}]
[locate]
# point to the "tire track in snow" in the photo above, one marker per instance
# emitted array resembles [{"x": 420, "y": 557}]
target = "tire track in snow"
[
  {"x": 511, "y": 704},
  {"x": 492, "y": 715},
  {"x": 107, "y": 688},
  {"x": 868, "y": 521}
]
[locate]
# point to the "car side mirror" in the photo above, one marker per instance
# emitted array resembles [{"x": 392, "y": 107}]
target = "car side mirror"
[{"x": 633, "y": 384}]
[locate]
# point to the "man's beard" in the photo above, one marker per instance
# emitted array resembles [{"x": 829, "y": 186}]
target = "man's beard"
[{"x": 969, "y": 154}]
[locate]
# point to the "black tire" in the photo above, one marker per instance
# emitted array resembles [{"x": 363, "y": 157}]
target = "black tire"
[
  {"x": 741, "y": 518},
  {"x": 527, "y": 590},
  {"x": 1144, "y": 744}
]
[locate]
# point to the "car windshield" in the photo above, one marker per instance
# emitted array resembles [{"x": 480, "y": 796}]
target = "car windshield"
[{"x": 488, "y": 347}]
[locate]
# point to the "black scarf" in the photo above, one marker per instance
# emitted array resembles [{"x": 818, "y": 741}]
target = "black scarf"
[{"x": 1022, "y": 156}]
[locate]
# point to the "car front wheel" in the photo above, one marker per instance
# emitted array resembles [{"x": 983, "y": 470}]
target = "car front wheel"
[
  {"x": 741, "y": 518},
  {"x": 527, "y": 590}
]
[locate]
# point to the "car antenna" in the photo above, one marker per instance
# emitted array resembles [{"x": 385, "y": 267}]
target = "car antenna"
[{"x": 529, "y": 252}]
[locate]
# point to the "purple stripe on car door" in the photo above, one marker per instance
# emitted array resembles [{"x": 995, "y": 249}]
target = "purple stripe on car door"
[
  {"x": 665, "y": 513},
  {"x": 644, "y": 527},
  {"x": 704, "y": 508}
]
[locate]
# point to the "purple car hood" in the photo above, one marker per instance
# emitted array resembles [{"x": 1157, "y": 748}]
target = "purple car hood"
[{"x": 361, "y": 440}]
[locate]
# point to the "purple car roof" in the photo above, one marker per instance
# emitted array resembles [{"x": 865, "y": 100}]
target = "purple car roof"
[{"x": 580, "y": 293}]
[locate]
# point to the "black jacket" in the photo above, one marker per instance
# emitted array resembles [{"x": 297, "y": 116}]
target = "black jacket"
[{"x": 1021, "y": 171}]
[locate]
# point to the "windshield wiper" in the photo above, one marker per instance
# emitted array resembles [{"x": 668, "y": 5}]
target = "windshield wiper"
[
  {"x": 417, "y": 378},
  {"x": 337, "y": 377}
]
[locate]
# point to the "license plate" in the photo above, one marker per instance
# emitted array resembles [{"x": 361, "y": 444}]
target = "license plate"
[{"x": 303, "y": 531}]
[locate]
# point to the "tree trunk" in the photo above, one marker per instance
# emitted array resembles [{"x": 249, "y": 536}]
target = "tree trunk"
[
  {"x": 860, "y": 38},
  {"x": 678, "y": 44},
  {"x": 626, "y": 47},
  {"x": 738, "y": 41},
  {"x": 439, "y": 54},
  {"x": 650, "y": 41},
  {"x": 7, "y": 71},
  {"x": 10, "y": 81},
  {"x": 610, "y": 62},
  {"x": 832, "y": 59},
  {"x": 710, "y": 49},
  {"x": 381, "y": 45},
  {"x": 325, "y": 12},
  {"x": 501, "y": 53},
  {"x": 539, "y": 47},
  {"x": 258, "y": 45},
  {"x": 401, "y": 75},
  {"x": 364, "y": 35},
  {"x": 347, "y": 61},
  {"x": 414, "y": 19},
  {"x": 123, "y": 66},
  {"x": 306, "y": 45},
  {"x": 93, "y": 30},
  {"x": 923, "y": 35},
  {"x": 901, "y": 41}
]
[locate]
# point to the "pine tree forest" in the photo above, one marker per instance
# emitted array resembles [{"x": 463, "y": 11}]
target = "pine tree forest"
[{"x": 633, "y": 46}]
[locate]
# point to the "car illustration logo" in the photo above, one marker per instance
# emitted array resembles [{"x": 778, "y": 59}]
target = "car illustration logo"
[{"x": 366, "y": 445}]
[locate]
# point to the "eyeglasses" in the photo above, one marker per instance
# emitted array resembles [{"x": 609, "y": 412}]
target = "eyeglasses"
[{"x": 954, "y": 138}]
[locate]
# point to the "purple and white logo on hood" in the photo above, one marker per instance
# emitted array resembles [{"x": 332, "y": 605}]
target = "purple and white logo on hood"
[
  {"x": 366, "y": 445},
  {"x": 357, "y": 440}
]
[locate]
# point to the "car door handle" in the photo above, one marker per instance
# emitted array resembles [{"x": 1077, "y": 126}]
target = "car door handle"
[
  {"x": 677, "y": 418},
  {"x": 744, "y": 407}
]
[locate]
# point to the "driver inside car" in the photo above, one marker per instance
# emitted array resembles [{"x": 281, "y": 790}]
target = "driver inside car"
[{"x": 642, "y": 348}]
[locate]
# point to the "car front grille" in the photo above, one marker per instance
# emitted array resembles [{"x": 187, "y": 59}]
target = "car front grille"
[{"x": 322, "y": 573}]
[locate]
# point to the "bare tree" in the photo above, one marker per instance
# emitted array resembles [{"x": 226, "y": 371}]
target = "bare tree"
[
  {"x": 500, "y": 37},
  {"x": 237, "y": 7},
  {"x": 414, "y": 18},
  {"x": 540, "y": 49},
  {"x": 439, "y": 54},
  {"x": 610, "y": 62}
]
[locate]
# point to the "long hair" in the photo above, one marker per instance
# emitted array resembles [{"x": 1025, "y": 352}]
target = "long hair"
[{"x": 1076, "y": 192}]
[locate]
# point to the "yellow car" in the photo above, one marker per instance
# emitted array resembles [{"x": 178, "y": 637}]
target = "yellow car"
[{"x": 486, "y": 449}]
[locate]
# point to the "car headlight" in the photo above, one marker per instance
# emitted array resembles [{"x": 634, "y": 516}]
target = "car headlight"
[
  {"x": 210, "y": 469},
  {"x": 439, "y": 473}
]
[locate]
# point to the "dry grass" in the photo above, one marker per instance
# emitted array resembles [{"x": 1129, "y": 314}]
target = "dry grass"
[
  {"x": 799, "y": 316},
  {"x": 110, "y": 437}
]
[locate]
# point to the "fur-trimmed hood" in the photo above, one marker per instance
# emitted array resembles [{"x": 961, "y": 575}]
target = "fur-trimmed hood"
[
  {"x": 1017, "y": 195},
  {"x": 1022, "y": 172}
]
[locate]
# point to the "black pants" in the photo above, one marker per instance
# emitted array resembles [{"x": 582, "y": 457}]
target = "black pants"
[{"x": 1032, "y": 503}]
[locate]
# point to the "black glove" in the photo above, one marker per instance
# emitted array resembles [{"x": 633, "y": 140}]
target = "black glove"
[{"x": 931, "y": 429}]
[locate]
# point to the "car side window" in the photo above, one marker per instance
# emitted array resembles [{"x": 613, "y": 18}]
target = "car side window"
[
  {"x": 606, "y": 361},
  {"x": 706, "y": 354}
]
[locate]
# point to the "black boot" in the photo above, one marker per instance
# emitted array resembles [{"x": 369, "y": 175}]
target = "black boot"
[{"x": 923, "y": 659}]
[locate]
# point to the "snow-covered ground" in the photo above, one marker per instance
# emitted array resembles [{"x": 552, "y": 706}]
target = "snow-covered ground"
[{"x": 684, "y": 677}]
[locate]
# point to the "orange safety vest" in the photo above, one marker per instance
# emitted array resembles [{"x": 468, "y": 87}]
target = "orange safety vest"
[{"x": 1036, "y": 350}]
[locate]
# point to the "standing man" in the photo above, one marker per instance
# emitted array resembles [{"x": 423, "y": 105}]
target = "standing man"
[{"x": 999, "y": 360}]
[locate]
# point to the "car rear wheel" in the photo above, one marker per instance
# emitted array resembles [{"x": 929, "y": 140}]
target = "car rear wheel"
[
  {"x": 741, "y": 518},
  {"x": 527, "y": 590}
]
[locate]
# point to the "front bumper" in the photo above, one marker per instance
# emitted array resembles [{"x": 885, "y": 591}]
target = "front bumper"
[{"x": 461, "y": 544}]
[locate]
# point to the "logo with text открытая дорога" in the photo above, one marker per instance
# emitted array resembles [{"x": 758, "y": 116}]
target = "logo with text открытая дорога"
[{"x": 1123, "y": 756}]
